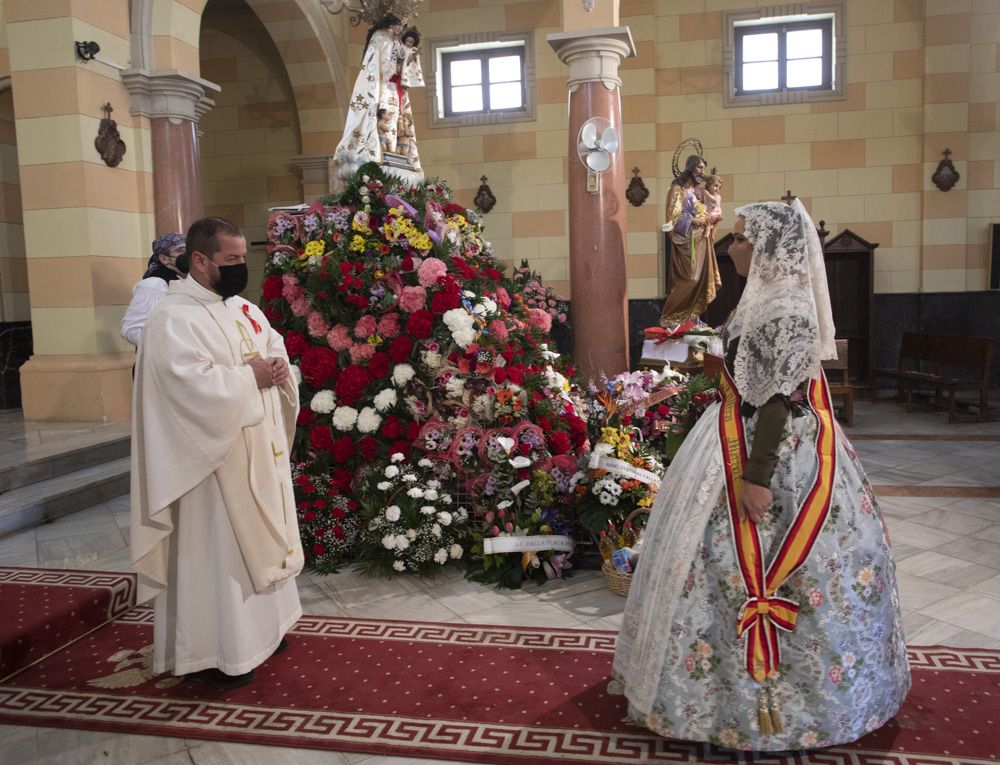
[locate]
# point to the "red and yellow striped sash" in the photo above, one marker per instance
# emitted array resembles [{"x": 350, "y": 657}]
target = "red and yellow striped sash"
[{"x": 764, "y": 613}]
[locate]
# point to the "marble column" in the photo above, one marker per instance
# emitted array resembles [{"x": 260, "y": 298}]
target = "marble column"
[
  {"x": 597, "y": 212},
  {"x": 174, "y": 102}
]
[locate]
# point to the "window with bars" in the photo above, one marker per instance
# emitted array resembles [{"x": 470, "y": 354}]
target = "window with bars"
[{"x": 483, "y": 82}]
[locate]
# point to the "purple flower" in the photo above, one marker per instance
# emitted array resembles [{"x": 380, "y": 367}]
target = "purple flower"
[{"x": 393, "y": 201}]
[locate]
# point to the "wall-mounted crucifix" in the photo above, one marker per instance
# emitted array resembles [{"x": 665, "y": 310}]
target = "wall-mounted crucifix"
[{"x": 789, "y": 197}]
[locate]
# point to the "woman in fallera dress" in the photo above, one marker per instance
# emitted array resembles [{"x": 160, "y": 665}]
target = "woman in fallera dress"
[{"x": 763, "y": 614}]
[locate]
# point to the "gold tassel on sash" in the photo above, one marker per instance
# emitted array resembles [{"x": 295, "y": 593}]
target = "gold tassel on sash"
[
  {"x": 763, "y": 713},
  {"x": 776, "y": 724}
]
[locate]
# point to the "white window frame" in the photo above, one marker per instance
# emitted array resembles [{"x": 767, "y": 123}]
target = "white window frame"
[
  {"x": 522, "y": 41},
  {"x": 778, "y": 14}
]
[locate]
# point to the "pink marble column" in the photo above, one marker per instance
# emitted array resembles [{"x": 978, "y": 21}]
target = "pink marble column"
[
  {"x": 597, "y": 224},
  {"x": 174, "y": 102},
  {"x": 177, "y": 192}
]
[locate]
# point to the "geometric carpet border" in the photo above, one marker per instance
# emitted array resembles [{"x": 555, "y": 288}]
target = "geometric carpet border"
[
  {"x": 121, "y": 587},
  {"x": 442, "y": 739}
]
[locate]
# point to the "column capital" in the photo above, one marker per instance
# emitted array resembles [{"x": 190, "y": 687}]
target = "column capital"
[
  {"x": 314, "y": 168},
  {"x": 593, "y": 55},
  {"x": 169, "y": 93}
]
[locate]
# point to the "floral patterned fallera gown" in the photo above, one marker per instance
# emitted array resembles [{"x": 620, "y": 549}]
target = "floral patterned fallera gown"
[{"x": 843, "y": 670}]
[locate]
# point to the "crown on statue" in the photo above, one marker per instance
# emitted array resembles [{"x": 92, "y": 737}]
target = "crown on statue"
[{"x": 373, "y": 11}]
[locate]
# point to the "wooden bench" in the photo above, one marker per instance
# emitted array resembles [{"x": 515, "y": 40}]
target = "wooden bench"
[
  {"x": 944, "y": 363},
  {"x": 836, "y": 370}
]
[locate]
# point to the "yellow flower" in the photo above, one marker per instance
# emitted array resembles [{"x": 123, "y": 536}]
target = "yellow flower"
[
  {"x": 645, "y": 502},
  {"x": 314, "y": 247},
  {"x": 358, "y": 243},
  {"x": 375, "y": 339},
  {"x": 379, "y": 273},
  {"x": 610, "y": 436}
]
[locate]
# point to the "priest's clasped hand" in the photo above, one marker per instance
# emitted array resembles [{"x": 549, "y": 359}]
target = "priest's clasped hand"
[{"x": 269, "y": 372}]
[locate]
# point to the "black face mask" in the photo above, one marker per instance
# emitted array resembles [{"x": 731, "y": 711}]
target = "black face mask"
[{"x": 232, "y": 280}]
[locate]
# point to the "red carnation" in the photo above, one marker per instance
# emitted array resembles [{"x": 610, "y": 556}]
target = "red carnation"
[
  {"x": 368, "y": 447},
  {"x": 342, "y": 478},
  {"x": 337, "y": 513},
  {"x": 445, "y": 301},
  {"x": 351, "y": 384},
  {"x": 412, "y": 431},
  {"x": 319, "y": 365},
  {"x": 492, "y": 273},
  {"x": 272, "y": 314},
  {"x": 499, "y": 375},
  {"x": 343, "y": 449},
  {"x": 271, "y": 288},
  {"x": 467, "y": 271},
  {"x": 401, "y": 348},
  {"x": 453, "y": 208},
  {"x": 318, "y": 549},
  {"x": 406, "y": 264},
  {"x": 515, "y": 375},
  {"x": 306, "y": 418},
  {"x": 321, "y": 439},
  {"x": 309, "y": 515},
  {"x": 401, "y": 447},
  {"x": 345, "y": 267},
  {"x": 295, "y": 343},
  {"x": 338, "y": 532},
  {"x": 392, "y": 428},
  {"x": 378, "y": 365},
  {"x": 420, "y": 324},
  {"x": 558, "y": 442}
]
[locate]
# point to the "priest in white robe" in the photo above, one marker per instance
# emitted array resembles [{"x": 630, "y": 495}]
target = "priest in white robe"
[{"x": 214, "y": 532}]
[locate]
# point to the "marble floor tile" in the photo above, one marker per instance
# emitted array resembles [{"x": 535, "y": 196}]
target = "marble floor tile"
[
  {"x": 945, "y": 569},
  {"x": 67, "y": 747},
  {"x": 936, "y": 632},
  {"x": 980, "y": 551},
  {"x": 408, "y": 606},
  {"x": 950, "y": 520},
  {"x": 990, "y": 587},
  {"x": 525, "y": 614},
  {"x": 226, "y": 753},
  {"x": 992, "y": 534},
  {"x": 916, "y": 592},
  {"x": 79, "y": 549},
  {"x": 20, "y": 549},
  {"x": 969, "y": 610},
  {"x": 910, "y": 533}
]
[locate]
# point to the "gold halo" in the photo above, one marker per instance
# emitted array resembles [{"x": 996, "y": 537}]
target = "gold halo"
[{"x": 675, "y": 166}]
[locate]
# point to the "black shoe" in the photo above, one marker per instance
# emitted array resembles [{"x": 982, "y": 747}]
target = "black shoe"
[
  {"x": 282, "y": 647},
  {"x": 219, "y": 680}
]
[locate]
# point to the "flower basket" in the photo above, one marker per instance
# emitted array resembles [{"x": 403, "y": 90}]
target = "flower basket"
[{"x": 619, "y": 581}]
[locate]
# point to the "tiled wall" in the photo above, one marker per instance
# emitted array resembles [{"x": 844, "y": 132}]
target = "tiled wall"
[
  {"x": 922, "y": 75},
  {"x": 252, "y": 132}
]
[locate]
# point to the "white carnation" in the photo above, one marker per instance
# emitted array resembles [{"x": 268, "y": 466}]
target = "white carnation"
[
  {"x": 385, "y": 400},
  {"x": 428, "y": 510},
  {"x": 430, "y": 494},
  {"x": 397, "y": 457},
  {"x": 464, "y": 337},
  {"x": 425, "y": 463},
  {"x": 462, "y": 513},
  {"x": 402, "y": 374},
  {"x": 431, "y": 359},
  {"x": 399, "y": 565},
  {"x": 411, "y": 534},
  {"x": 369, "y": 420},
  {"x": 384, "y": 485},
  {"x": 323, "y": 402},
  {"x": 434, "y": 483},
  {"x": 455, "y": 387},
  {"x": 441, "y": 556},
  {"x": 485, "y": 307},
  {"x": 402, "y": 542},
  {"x": 389, "y": 541},
  {"x": 456, "y": 551},
  {"x": 436, "y": 530},
  {"x": 392, "y": 513},
  {"x": 444, "y": 518},
  {"x": 416, "y": 492},
  {"x": 409, "y": 478},
  {"x": 345, "y": 417},
  {"x": 457, "y": 318},
  {"x": 446, "y": 498},
  {"x": 391, "y": 471}
]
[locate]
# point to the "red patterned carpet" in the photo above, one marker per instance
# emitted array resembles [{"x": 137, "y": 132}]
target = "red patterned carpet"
[{"x": 464, "y": 692}]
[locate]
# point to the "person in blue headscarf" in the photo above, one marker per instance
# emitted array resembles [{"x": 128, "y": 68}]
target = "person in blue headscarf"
[{"x": 163, "y": 268}]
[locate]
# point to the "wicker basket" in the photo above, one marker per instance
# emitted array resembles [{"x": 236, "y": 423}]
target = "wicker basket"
[{"x": 619, "y": 581}]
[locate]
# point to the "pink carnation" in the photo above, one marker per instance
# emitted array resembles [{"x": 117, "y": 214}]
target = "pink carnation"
[
  {"x": 412, "y": 299},
  {"x": 292, "y": 292},
  {"x": 539, "y": 319},
  {"x": 289, "y": 280},
  {"x": 365, "y": 327},
  {"x": 430, "y": 271},
  {"x": 498, "y": 329},
  {"x": 388, "y": 326},
  {"x": 299, "y": 306},
  {"x": 503, "y": 299},
  {"x": 317, "y": 324},
  {"x": 339, "y": 338},
  {"x": 361, "y": 352}
]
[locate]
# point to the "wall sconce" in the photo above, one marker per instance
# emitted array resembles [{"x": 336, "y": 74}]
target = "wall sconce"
[
  {"x": 946, "y": 175},
  {"x": 484, "y": 197},
  {"x": 637, "y": 191}
]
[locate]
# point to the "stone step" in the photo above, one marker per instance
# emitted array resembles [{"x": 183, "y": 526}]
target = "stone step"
[
  {"x": 45, "y": 500},
  {"x": 41, "y": 462}
]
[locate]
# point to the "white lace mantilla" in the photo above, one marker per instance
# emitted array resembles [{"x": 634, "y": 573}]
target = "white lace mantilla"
[{"x": 783, "y": 320}]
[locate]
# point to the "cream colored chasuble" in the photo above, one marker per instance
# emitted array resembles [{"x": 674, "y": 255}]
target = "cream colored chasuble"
[{"x": 214, "y": 534}]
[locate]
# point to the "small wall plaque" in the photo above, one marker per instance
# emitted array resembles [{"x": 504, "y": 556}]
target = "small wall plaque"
[{"x": 109, "y": 143}]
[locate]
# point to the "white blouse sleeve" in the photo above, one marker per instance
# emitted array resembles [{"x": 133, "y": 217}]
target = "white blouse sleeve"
[{"x": 145, "y": 296}]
